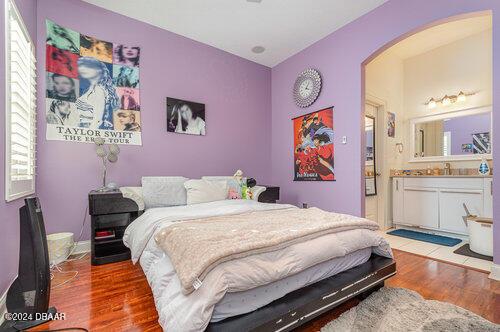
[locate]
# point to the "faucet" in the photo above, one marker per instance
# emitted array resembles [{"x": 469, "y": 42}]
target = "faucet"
[{"x": 447, "y": 169}]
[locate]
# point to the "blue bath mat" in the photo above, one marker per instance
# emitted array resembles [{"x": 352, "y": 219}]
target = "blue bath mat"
[{"x": 431, "y": 238}]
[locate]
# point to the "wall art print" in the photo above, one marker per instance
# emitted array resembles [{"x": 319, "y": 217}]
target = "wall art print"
[
  {"x": 313, "y": 146},
  {"x": 185, "y": 117},
  {"x": 391, "y": 124},
  {"x": 92, "y": 88}
]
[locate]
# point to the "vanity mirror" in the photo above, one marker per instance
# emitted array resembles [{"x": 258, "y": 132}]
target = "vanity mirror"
[
  {"x": 370, "y": 169},
  {"x": 460, "y": 135}
]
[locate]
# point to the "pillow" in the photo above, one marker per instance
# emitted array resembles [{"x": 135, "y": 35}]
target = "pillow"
[
  {"x": 161, "y": 191},
  {"x": 233, "y": 186},
  {"x": 203, "y": 191}
]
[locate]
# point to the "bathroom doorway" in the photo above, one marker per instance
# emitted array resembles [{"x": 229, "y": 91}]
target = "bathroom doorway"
[{"x": 375, "y": 183}]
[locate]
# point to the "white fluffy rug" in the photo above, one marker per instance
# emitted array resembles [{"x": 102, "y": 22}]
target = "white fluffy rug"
[{"x": 399, "y": 309}]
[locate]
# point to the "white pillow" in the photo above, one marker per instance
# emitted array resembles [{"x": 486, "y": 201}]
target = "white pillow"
[
  {"x": 203, "y": 191},
  {"x": 161, "y": 191}
]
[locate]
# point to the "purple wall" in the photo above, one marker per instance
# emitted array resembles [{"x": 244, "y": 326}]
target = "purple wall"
[
  {"x": 462, "y": 129},
  {"x": 339, "y": 57},
  {"x": 9, "y": 222},
  {"x": 237, "y": 94}
]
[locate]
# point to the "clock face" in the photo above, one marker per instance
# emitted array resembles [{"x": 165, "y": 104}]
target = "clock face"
[{"x": 307, "y": 88}]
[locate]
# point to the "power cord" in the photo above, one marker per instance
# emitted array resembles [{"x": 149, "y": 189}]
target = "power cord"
[
  {"x": 58, "y": 268},
  {"x": 68, "y": 329}
]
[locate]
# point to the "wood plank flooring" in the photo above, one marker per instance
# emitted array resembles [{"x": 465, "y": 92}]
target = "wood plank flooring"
[{"x": 117, "y": 297}]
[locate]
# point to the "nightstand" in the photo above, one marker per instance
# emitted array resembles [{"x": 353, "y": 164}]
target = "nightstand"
[
  {"x": 110, "y": 214},
  {"x": 270, "y": 195}
]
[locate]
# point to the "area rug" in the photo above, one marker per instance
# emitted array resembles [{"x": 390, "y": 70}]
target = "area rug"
[
  {"x": 465, "y": 251},
  {"x": 399, "y": 309},
  {"x": 425, "y": 237}
]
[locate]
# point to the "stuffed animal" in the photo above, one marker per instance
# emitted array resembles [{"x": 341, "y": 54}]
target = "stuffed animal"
[
  {"x": 239, "y": 176},
  {"x": 233, "y": 194},
  {"x": 249, "y": 194}
]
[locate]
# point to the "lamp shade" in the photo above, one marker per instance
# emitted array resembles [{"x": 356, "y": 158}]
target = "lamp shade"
[
  {"x": 99, "y": 141},
  {"x": 461, "y": 97},
  {"x": 100, "y": 151},
  {"x": 112, "y": 158},
  {"x": 114, "y": 149},
  {"x": 446, "y": 100},
  {"x": 431, "y": 104}
]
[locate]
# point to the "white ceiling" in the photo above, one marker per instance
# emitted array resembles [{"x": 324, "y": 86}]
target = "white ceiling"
[
  {"x": 283, "y": 27},
  {"x": 440, "y": 35}
]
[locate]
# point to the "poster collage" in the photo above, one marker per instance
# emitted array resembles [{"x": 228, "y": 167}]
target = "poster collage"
[
  {"x": 313, "y": 146},
  {"x": 92, "y": 88}
]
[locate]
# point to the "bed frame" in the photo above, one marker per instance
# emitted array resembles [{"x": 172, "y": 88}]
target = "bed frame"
[{"x": 305, "y": 304}]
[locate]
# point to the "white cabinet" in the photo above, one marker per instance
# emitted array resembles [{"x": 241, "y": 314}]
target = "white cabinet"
[
  {"x": 451, "y": 209},
  {"x": 422, "y": 207},
  {"x": 397, "y": 201},
  {"x": 488, "y": 198},
  {"x": 437, "y": 202}
]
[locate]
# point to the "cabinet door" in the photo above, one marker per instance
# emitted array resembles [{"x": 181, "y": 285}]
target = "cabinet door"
[
  {"x": 397, "y": 201},
  {"x": 451, "y": 208},
  {"x": 421, "y": 207},
  {"x": 488, "y": 198}
]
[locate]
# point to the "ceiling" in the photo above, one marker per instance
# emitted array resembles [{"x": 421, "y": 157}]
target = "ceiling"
[
  {"x": 440, "y": 35},
  {"x": 283, "y": 27}
]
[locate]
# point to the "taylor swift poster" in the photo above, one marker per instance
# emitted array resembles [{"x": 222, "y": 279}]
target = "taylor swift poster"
[
  {"x": 313, "y": 146},
  {"x": 92, "y": 88}
]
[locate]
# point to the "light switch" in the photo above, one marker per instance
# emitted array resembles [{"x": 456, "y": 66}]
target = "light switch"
[{"x": 344, "y": 139}]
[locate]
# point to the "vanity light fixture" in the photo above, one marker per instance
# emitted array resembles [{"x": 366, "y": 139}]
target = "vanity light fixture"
[
  {"x": 461, "y": 97},
  {"x": 431, "y": 104},
  {"x": 448, "y": 100}
]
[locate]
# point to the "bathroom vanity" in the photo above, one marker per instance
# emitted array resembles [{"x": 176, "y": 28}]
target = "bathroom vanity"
[{"x": 436, "y": 202}]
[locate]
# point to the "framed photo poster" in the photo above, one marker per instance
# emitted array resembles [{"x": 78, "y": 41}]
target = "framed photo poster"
[
  {"x": 313, "y": 154},
  {"x": 185, "y": 117},
  {"x": 92, "y": 88}
]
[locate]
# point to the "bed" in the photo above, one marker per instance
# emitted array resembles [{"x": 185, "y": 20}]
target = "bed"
[{"x": 267, "y": 291}]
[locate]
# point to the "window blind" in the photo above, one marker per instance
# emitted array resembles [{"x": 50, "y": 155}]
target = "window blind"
[{"x": 21, "y": 107}]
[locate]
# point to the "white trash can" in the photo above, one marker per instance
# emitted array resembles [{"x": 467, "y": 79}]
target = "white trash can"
[
  {"x": 60, "y": 246},
  {"x": 480, "y": 235}
]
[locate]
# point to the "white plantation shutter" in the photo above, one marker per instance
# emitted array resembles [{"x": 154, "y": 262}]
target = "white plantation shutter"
[{"x": 20, "y": 107}]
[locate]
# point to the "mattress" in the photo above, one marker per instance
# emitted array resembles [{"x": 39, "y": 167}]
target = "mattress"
[
  {"x": 233, "y": 304},
  {"x": 239, "y": 286},
  {"x": 156, "y": 265}
]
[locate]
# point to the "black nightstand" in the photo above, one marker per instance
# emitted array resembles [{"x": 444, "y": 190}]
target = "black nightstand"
[
  {"x": 270, "y": 195},
  {"x": 110, "y": 212}
]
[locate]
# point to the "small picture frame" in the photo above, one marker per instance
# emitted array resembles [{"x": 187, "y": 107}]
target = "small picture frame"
[
  {"x": 391, "y": 124},
  {"x": 185, "y": 117}
]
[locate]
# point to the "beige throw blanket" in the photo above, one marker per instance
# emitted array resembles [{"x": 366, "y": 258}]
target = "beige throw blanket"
[{"x": 195, "y": 247}]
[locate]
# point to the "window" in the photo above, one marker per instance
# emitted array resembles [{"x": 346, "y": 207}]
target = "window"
[{"x": 20, "y": 121}]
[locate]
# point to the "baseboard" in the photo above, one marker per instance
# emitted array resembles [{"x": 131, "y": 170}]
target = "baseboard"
[
  {"x": 495, "y": 272},
  {"x": 81, "y": 247}
]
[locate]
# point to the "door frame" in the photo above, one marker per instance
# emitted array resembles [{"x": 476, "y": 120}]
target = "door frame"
[{"x": 383, "y": 181}]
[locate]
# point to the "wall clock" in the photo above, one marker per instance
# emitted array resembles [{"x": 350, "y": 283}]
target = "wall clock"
[{"x": 307, "y": 87}]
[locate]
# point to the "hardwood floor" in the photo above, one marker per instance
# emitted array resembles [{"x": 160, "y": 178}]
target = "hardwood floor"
[{"x": 117, "y": 297}]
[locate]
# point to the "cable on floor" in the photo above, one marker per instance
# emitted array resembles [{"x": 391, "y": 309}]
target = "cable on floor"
[
  {"x": 58, "y": 268},
  {"x": 68, "y": 329}
]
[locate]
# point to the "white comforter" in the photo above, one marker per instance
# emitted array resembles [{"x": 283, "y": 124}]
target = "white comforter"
[{"x": 179, "y": 312}]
